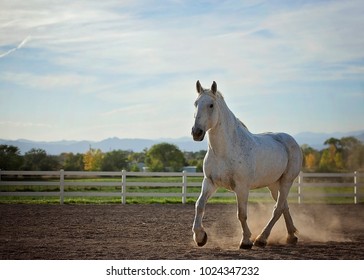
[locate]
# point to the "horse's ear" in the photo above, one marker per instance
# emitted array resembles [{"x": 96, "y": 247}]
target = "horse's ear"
[
  {"x": 214, "y": 87},
  {"x": 199, "y": 87}
]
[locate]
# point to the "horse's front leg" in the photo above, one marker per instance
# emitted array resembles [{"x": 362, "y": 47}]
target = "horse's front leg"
[
  {"x": 242, "y": 201},
  {"x": 199, "y": 234}
]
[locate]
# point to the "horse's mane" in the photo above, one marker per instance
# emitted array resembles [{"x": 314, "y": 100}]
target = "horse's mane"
[
  {"x": 242, "y": 123},
  {"x": 219, "y": 95}
]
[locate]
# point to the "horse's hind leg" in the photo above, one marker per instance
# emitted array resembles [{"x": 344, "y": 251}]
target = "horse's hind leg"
[
  {"x": 291, "y": 229},
  {"x": 199, "y": 234},
  {"x": 291, "y": 238},
  {"x": 280, "y": 195}
]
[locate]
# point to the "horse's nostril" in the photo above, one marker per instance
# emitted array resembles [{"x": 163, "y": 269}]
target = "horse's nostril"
[{"x": 196, "y": 131}]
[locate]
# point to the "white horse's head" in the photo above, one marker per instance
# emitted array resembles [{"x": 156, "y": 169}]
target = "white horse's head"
[{"x": 206, "y": 115}]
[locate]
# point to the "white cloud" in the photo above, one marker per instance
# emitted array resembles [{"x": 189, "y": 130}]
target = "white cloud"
[
  {"x": 22, "y": 43},
  {"x": 141, "y": 61},
  {"x": 322, "y": 32},
  {"x": 129, "y": 111},
  {"x": 116, "y": 39},
  {"x": 47, "y": 81}
]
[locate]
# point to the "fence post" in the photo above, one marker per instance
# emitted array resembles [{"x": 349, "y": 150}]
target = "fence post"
[
  {"x": 123, "y": 187},
  {"x": 300, "y": 182},
  {"x": 61, "y": 186},
  {"x": 184, "y": 186},
  {"x": 355, "y": 187}
]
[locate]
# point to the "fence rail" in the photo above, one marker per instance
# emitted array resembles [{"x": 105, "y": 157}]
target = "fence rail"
[{"x": 307, "y": 185}]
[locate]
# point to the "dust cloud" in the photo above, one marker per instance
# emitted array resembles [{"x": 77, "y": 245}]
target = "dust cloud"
[{"x": 316, "y": 223}]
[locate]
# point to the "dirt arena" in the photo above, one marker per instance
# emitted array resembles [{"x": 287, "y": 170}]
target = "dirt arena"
[{"x": 164, "y": 232}]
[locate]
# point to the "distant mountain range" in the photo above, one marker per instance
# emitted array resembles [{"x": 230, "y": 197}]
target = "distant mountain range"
[
  {"x": 106, "y": 145},
  {"x": 314, "y": 140}
]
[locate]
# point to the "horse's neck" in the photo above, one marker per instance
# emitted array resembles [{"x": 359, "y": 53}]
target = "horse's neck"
[{"x": 225, "y": 133}]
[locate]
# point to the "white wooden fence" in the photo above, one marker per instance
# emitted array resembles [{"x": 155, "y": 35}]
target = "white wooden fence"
[{"x": 350, "y": 184}]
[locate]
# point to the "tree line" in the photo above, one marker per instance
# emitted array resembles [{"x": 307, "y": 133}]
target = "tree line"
[
  {"x": 339, "y": 155},
  {"x": 159, "y": 157}
]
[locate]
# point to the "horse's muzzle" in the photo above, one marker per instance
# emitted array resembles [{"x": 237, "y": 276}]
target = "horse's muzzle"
[{"x": 198, "y": 134}]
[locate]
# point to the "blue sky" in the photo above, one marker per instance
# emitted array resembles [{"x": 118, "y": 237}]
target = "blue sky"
[{"x": 96, "y": 69}]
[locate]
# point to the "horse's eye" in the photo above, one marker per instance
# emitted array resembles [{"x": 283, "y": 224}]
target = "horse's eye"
[{"x": 211, "y": 106}]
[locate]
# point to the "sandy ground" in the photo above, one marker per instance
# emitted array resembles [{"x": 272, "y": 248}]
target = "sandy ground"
[{"x": 164, "y": 232}]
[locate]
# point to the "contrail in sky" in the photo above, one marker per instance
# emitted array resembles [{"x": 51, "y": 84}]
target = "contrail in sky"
[{"x": 18, "y": 47}]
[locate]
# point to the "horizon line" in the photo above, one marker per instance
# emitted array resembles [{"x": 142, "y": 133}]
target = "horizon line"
[{"x": 356, "y": 132}]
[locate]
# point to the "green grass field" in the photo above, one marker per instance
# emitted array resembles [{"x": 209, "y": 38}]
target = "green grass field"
[{"x": 310, "y": 194}]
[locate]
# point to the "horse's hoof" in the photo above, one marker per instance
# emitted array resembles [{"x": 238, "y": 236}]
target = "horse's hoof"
[
  {"x": 292, "y": 240},
  {"x": 246, "y": 246},
  {"x": 260, "y": 243},
  {"x": 203, "y": 242}
]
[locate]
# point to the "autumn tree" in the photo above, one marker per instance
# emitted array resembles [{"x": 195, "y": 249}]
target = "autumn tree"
[
  {"x": 331, "y": 158},
  {"x": 311, "y": 157},
  {"x": 92, "y": 160},
  {"x": 310, "y": 161}
]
